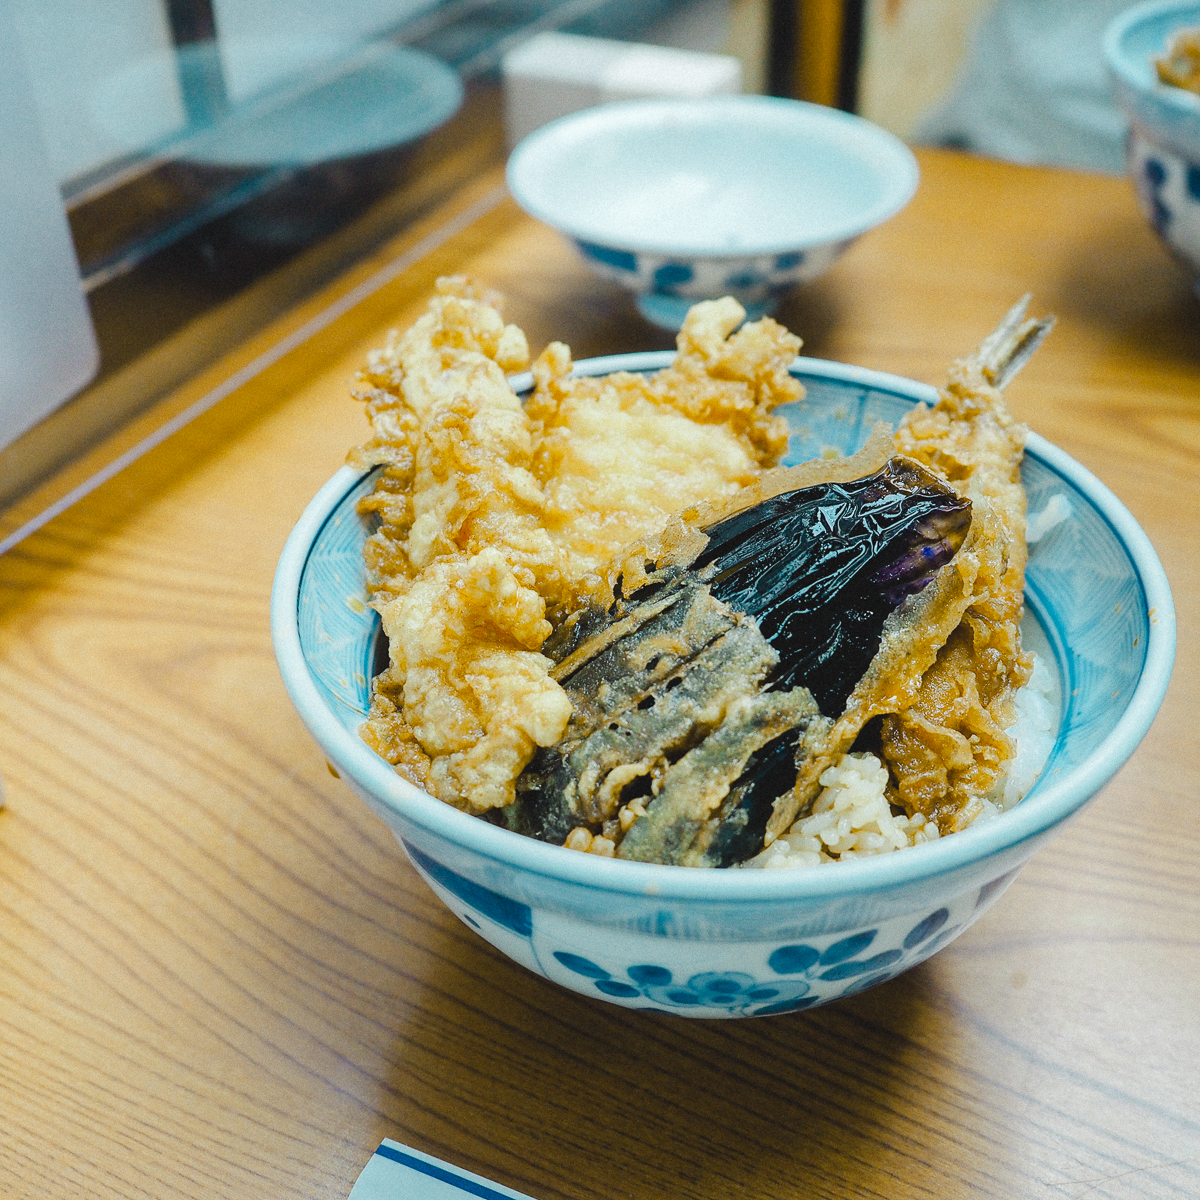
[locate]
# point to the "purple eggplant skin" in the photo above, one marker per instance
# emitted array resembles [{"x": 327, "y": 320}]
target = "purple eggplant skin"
[
  {"x": 812, "y": 574},
  {"x": 856, "y": 551},
  {"x": 820, "y": 569}
]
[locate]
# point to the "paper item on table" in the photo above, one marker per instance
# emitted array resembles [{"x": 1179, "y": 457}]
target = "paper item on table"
[{"x": 398, "y": 1172}]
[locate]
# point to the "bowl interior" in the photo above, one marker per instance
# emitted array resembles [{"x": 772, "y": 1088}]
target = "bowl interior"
[
  {"x": 1084, "y": 588},
  {"x": 1139, "y": 36},
  {"x": 726, "y": 176}
]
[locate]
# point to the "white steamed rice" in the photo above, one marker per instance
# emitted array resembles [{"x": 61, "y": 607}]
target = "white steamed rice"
[{"x": 851, "y": 817}]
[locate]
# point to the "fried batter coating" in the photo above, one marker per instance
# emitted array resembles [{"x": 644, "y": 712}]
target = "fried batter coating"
[
  {"x": 494, "y": 518},
  {"x": 949, "y": 746},
  {"x": 490, "y": 513},
  {"x": 619, "y": 454},
  {"x": 456, "y": 443},
  {"x": 950, "y": 659},
  {"x": 460, "y": 560},
  {"x": 476, "y": 694}
]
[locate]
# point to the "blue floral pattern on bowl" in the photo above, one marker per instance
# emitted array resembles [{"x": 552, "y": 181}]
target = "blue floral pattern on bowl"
[
  {"x": 760, "y": 978},
  {"x": 1168, "y": 188},
  {"x": 1163, "y": 151},
  {"x": 666, "y": 286},
  {"x": 757, "y": 979}
]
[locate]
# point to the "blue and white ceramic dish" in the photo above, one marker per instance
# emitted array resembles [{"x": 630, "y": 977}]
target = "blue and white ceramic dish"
[
  {"x": 727, "y": 943},
  {"x": 686, "y": 200},
  {"x": 1164, "y": 133}
]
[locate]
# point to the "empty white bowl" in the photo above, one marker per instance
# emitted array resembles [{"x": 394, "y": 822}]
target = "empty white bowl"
[{"x": 686, "y": 200}]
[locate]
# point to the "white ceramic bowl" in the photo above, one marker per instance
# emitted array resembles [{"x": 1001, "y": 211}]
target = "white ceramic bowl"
[
  {"x": 723, "y": 943},
  {"x": 686, "y": 200},
  {"x": 1164, "y": 133}
]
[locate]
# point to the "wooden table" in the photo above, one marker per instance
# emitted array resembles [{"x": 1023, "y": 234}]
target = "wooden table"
[{"x": 220, "y": 977}]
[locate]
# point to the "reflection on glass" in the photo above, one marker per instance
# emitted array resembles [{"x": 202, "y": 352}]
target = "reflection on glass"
[
  {"x": 70, "y": 50},
  {"x": 325, "y": 27},
  {"x": 298, "y": 102},
  {"x": 202, "y": 145},
  {"x": 165, "y": 116}
]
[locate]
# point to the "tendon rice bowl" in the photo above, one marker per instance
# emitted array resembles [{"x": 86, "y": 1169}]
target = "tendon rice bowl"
[
  {"x": 734, "y": 943},
  {"x": 616, "y": 624}
]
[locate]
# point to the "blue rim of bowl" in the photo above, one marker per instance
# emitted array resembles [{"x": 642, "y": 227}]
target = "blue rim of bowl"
[
  {"x": 907, "y": 176},
  {"x": 1180, "y": 99},
  {"x": 1050, "y": 805}
]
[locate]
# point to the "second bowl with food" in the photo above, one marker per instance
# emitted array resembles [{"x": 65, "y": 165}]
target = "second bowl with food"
[
  {"x": 1153, "y": 56},
  {"x": 658, "y": 730}
]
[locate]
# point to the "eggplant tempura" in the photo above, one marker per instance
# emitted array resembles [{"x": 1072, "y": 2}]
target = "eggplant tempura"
[
  {"x": 612, "y": 626},
  {"x": 494, "y": 518}
]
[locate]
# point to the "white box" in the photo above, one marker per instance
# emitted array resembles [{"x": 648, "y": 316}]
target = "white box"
[{"x": 553, "y": 74}]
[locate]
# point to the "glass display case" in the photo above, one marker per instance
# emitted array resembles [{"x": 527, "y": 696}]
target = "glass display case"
[{"x": 207, "y": 148}]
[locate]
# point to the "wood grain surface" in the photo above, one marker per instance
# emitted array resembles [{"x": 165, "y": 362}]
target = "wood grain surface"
[{"x": 219, "y": 977}]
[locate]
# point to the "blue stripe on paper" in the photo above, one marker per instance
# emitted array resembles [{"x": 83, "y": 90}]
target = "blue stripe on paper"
[{"x": 441, "y": 1174}]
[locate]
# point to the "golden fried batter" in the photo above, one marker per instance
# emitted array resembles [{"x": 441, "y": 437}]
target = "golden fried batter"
[
  {"x": 618, "y": 454},
  {"x": 966, "y": 699},
  {"x": 460, "y": 556},
  {"x": 477, "y": 696},
  {"x": 489, "y": 513},
  {"x": 950, "y": 659},
  {"x": 497, "y": 520}
]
